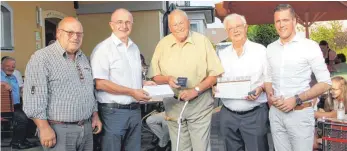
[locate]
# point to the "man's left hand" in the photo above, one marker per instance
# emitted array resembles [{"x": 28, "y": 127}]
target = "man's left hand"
[
  {"x": 287, "y": 104},
  {"x": 188, "y": 95},
  {"x": 148, "y": 83},
  {"x": 96, "y": 123}
]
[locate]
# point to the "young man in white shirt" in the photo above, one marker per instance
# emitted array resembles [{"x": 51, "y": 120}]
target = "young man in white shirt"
[{"x": 291, "y": 60}]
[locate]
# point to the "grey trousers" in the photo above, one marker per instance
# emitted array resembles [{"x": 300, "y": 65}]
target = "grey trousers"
[
  {"x": 245, "y": 131},
  {"x": 196, "y": 124},
  {"x": 158, "y": 125},
  {"x": 72, "y": 137},
  {"x": 292, "y": 131},
  {"x": 121, "y": 129}
]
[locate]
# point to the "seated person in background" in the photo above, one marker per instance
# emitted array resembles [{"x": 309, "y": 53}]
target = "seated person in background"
[
  {"x": 340, "y": 63},
  {"x": 338, "y": 94},
  {"x": 144, "y": 67},
  {"x": 10, "y": 83},
  {"x": 158, "y": 125},
  {"x": 328, "y": 54},
  {"x": 18, "y": 76}
]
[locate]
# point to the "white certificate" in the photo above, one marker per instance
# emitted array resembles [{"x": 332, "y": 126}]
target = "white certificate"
[
  {"x": 233, "y": 89},
  {"x": 158, "y": 92}
]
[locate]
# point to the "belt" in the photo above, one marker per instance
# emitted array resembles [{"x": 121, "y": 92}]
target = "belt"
[
  {"x": 303, "y": 105},
  {"x": 132, "y": 106},
  {"x": 79, "y": 123},
  {"x": 243, "y": 112}
]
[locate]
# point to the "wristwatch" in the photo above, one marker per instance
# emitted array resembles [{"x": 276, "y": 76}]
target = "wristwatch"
[
  {"x": 197, "y": 89},
  {"x": 298, "y": 100}
]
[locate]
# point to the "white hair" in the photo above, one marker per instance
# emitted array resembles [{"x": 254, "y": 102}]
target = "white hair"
[
  {"x": 231, "y": 16},
  {"x": 179, "y": 11}
]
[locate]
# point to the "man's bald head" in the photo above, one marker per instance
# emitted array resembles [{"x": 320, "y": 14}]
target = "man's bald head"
[
  {"x": 70, "y": 34},
  {"x": 68, "y": 20},
  {"x": 120, "y": 12},
  {"x": 179, "y": 25},
  {"x": 121, "y": 24}
]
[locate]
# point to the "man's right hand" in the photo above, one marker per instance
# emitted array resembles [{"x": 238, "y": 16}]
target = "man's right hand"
[
  {"x": 140, "y": 95},
  {"x": 47, "y": 137},
  {"x": 6, "y": 86},
  {"x": 214, "y": 90},
  {"x": 172, "y": 82}
]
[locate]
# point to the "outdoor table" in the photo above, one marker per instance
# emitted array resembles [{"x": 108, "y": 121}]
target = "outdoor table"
[{"x": 334, "y": 134}]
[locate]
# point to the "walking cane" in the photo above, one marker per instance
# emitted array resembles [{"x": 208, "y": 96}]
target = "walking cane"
[{"x": 179, "y": 122}]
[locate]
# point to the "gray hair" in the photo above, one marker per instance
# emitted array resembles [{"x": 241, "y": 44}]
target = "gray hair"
[
  {"x": 5, "y": 58},
  {"x": 231, "y": 16}
]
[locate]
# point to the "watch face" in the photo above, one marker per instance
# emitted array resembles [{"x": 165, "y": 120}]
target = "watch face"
[
  {"x": 197, "y": 89},
  {"x": 298, "y": 100}
]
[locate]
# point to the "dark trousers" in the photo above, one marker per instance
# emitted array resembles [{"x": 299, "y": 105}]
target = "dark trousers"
[
  {"x": 121, "y": 129},
  {"x": 245, "y": 131},
  {"x": 20, "y": 121}
]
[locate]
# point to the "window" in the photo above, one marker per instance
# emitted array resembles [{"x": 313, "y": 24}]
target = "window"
[
  {"x": 6, "y": 27},
  {"x": 194, "y": 27},
  {"x": 197, "y": 26}
]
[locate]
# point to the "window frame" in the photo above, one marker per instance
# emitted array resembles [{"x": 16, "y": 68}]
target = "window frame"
[{"x": 11, "y": 47}]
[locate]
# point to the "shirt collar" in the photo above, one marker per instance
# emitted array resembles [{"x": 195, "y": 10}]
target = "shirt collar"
[
  {"x": 188, "y": 40},
  {"x": 117, "y": 41},
  {"x": 296, "y": 38},
  {"x": 62, "y": 51},
  {"x": 247, "y": 42},
  {"x": 5, "y": 75}
]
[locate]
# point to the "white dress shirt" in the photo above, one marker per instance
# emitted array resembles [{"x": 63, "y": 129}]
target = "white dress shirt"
[
  {"x": 251, "y": 63},
  {"x": 113, "y": 60},
  {"x": 19, "y": 78},
  {"x": 290, "y": 66}
]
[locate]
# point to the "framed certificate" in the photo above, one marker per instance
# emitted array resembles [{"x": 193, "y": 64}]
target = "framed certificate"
[
  {"x": 233, "y": 89},
  {"x": 158, "y": 92}
]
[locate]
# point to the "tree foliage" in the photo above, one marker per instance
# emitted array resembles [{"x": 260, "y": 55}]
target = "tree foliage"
[
  {"x": 263, "y": 34},
  {"x": 333, "y": 33}
]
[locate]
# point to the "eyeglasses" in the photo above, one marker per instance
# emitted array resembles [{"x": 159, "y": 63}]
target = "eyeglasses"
[
  {"x": 238, "y": 27},
  {"x": 79, "y": 72},
  {"x": 72, "y": 33},
  {"x": 333, "y": 89},
  {"x": 120, "y": 23}
]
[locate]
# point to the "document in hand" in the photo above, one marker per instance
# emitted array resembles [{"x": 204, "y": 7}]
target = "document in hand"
[
  {"x": 158, "y": 92},
  {"x": 233, "y": 89}
]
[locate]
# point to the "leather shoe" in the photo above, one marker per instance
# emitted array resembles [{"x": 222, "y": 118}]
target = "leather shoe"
[{"x": 19, "y": 146}]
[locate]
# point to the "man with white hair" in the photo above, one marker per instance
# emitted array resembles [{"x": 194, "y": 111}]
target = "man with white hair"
[
  {"x": 243, "y": 122},
  {"x": 191, "y": 55}
]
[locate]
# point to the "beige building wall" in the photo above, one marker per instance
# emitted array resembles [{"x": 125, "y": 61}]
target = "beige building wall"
[
  {"x": 145, "y": 32},
  {"x": 216, "y": 35},
  {"x": 24, "y": 27},
  {"x": 146, "y": 29},
  {"x": 95, "y": 28}
]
